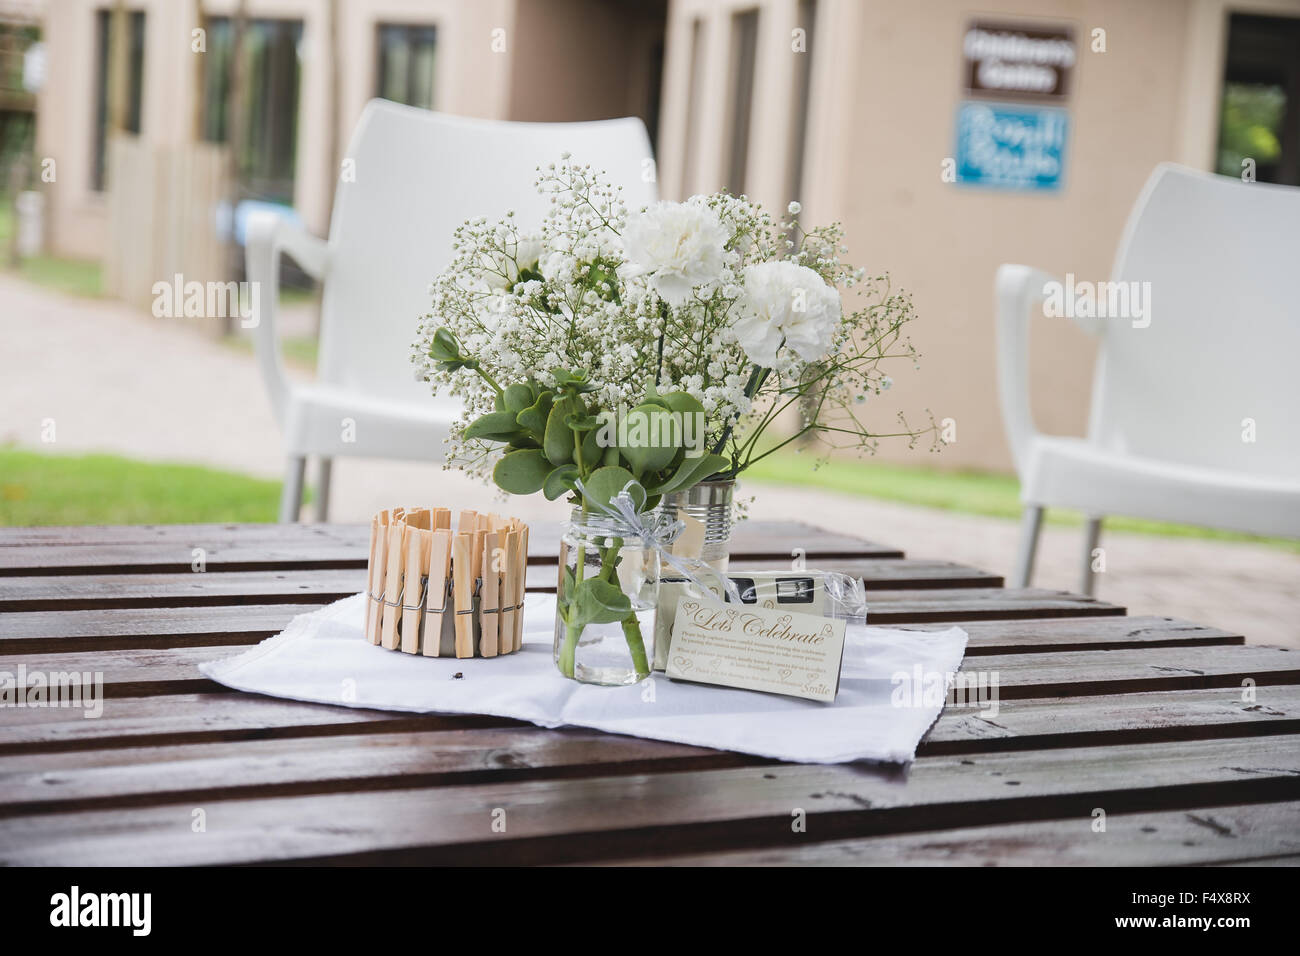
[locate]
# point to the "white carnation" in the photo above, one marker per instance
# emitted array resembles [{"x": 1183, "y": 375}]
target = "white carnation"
[
  {"x": 678, "y": 247},
  {"x": 785, "y": 302}
]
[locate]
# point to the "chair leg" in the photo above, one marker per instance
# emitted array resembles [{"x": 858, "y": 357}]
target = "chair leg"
[
  {"x": 291, "y": 494},
  {"x": 323, "y": 490},
  {"x": 1030, "y": 524},
  {"x": 1091, "y": 535}
]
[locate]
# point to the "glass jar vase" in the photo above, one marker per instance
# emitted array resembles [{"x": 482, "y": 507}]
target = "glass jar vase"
[{"x": 605, "y": 603}]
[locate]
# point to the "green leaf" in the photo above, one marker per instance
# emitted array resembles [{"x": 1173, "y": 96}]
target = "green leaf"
[
  {"x": 494, "y": 426},
  {"x": 691, "y": 472},
  {"x": 522, "y": 472},
  {"x": 605, "y": 483},
  {"x": 684, "y": 403},
  {"x": 648, "y": 437},
  {"x": 599, "y": 602},
  {"x": 559, "y": 481},
  {"x": 534, "y": 417},
  {"x": 652, "y": 396},
  {"x": 445, "y": 346},
  {"x": 558, "y": 440},
  {"x": 572, "y": 382},
  {"x": 517, "y": 398},
  {"x": 591, "y": 450}
]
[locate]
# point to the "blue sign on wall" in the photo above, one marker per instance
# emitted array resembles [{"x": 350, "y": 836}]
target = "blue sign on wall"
[{"x": 1008, "y": 146}]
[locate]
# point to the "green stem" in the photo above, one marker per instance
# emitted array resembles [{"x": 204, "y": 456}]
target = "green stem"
[
  {"x": 663, "y": 331},
  {"x": 573, "y": 629},
  {"x": 636, "y": 645},
  {"x": 756, "y": 379},
  {"x": 489, "y": 379}
]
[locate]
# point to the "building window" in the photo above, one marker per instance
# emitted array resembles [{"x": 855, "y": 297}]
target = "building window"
[
  {"x": 1260, "y": 118},
  {"x": 744, "y": 50},
  {"x": 802, "y": 88},
  {"x": 268, "y": 141},
  {"x": 406, "y": 61},
  {"x": 134, "y": 84}
]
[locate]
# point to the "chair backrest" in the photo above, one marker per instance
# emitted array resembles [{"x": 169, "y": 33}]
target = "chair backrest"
[
  {"x": 418, "y": 175},
  {"x": 1221, "y": 258}
]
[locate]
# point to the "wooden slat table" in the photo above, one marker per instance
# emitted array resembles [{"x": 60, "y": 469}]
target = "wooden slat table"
[{"x": 1188, "y": 741}]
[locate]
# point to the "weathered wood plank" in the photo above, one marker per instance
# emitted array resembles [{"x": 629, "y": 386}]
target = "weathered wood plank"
[
  {"x": 168, "y": 548},
  {"x": 192, "y": 589},
  {"x": 33, "y": 561},
  {"x": 135, "y": 722},
  {"x": 31, "y": 632},
  {"x": 97, "y": 780},
  {"x": 571, "y": 820},
  {"x": 197, "y": 589},
  {"x": 180, "y": 535},
  {"x": 1205, "y": 836},
  {"x": 200, "y": 718},
  {"x": 221, "y": 760},
  {"x": 1055, "y": 635},
  {"x": 148, "y": 671},
  {"x": 887, "y": 573},
  {"x": 1108, "y": 719}
]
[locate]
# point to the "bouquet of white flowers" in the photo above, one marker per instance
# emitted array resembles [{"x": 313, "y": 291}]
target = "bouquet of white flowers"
[
  {"x": 707, "y": 299},
  {"x": 607, "y": 352}
]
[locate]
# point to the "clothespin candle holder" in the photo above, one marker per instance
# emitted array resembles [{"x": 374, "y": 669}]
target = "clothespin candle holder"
[{"x": 442, "y": 593}]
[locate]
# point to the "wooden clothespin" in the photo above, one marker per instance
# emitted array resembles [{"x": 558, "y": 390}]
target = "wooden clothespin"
[
  {"x": 521, "y": 573},
  {"x": 462, "y": 571},
  {"x": 374, "y": 580},
  {"x": 393, "y": 582},
  {"x": 490, "y": 603},
  {"x": 435, "y": 599},
  {"x": 509, "y": 573},
  {"x": 418, "y": 541}
]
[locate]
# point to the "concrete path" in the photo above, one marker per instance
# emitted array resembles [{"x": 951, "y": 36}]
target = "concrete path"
[{"x": 112, "y": 379}]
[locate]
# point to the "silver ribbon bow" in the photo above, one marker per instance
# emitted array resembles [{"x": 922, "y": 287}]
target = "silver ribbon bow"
[{"x": 657, "y": 531}]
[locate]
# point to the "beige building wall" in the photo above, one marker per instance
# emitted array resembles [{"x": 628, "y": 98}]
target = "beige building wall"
[
  {"x": 886, "y": 87},
  {"x": 470, "y": 79},
  {"x": 581, "y": 59}
]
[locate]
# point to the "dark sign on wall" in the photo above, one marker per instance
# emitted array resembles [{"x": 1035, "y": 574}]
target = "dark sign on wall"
[{"x": 1018, "y": 61}]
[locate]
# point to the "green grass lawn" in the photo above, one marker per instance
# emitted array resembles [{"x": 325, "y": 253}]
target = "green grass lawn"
[
  {"x": 45, "y": 489},
  {"x": 300, "y": 350},
  {"x": 73, "y": 276},
  {"x": 970, "y": 492},
  {"x": 85, "y": 278}
]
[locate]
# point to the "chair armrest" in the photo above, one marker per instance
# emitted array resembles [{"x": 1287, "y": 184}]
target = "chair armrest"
[
  {"x": 1015, "y": 289},
  {"x": 266, "y": 236}
]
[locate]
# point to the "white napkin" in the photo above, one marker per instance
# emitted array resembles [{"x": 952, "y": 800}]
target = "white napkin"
[{"x": 322, "y": 657}]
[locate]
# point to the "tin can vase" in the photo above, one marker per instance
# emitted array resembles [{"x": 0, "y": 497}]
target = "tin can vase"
[{"x": 712, "y": 504}]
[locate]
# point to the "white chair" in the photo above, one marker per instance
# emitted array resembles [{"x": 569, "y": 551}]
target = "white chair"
[
  {"x": 413, "y": 176},
  {"x": 1195, "y": 418}
]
